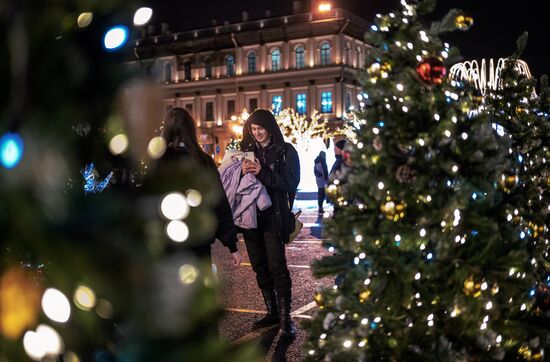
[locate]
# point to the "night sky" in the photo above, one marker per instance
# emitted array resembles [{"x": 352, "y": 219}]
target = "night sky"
[{"x": 498, "y": 23}]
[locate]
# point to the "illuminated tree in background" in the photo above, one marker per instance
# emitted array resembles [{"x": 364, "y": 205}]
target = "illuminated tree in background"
[
  {"x": 429, "y": 268},
  {"x": 84, "y": 268},
  {"x": 300, "y": 129}
]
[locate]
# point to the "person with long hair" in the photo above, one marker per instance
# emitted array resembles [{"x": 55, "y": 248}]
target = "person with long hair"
[{"x": 182, "y": 142}]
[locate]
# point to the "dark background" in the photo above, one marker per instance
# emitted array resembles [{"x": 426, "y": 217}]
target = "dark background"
[{"x": 497, "y": 23}]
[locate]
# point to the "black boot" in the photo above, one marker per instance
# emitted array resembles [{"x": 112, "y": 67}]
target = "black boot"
[
  {"x": 288, "y": 330},
  {"x": 272, "y": 317}
]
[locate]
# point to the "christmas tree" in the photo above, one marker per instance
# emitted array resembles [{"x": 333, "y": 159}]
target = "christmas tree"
[
  {"x": 89, "y": 264},
  {"x": 523, "y": 116},
  {"x": 428, "y": 266}
]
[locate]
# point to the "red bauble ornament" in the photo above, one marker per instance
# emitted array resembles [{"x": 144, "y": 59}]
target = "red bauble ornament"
[
  {"x": 346, "y": 158},
  {"x": 542, "y": 298},
  {"x": 431, "y": 70}
]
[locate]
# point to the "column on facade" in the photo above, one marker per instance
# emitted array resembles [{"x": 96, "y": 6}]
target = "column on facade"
[
  {"x": 311, "y": 52},
  {"x": 312, "y": 98},
  {"x": 286, "y": 55},
  {"x": 287, "y": 97},
  {"x": 219, "y": 107},
  {"x": 198, "y": 109},
  {"x": 263, "y": 57},
  {"x": 339, "y": 48},
  {"x": 338, "y": 101},
  {"x": 263, "y": 101}
]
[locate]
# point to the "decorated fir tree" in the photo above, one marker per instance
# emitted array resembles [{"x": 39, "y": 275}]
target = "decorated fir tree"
[
  {"x": 428, "y": 267},
  {"x": 85, "y": 222},
  {"x": 522, "y": 115}
]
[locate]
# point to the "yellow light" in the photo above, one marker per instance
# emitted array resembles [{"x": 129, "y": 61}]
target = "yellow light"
[
  {"x": 156, "y": 147},
  {"x": 118, "y": 144},
  {"x": 84, "y": 19},
  {"x": 324, "y": 7},
  {"x": 188, "y": 274},
  {"x": 84, "y": 298}
]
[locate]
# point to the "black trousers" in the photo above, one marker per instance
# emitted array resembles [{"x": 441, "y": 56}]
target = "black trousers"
[
  {"x": 321, "y": 197},
  {"x": 267, "y": 256}
]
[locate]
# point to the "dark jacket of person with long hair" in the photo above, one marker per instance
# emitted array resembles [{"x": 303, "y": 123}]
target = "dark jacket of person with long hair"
[
  {"x": 277, "y": 167},
  {"x": 180, "y": 134}
]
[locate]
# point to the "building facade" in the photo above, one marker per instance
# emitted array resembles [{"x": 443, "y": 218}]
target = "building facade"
[{"x": 307, "y": 61}]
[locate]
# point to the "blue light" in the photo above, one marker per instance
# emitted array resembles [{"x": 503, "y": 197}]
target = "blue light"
[
  {"x": 429, "y": 256},
  {"x": 11, "y": 150},
  {"x": 520, "y": 158},
  {"x": 474, "y": 196},
  {"x": 115, "y": 38},
  {"x": 474, "y": 232},
  {"x": 380, "y": 124},
  {"x": 373, "y": 325},
  {"x": 374, "y": 27},
  {"x": 522, "y": 235},
  {"x": 532, "y": 292},
  {"x": 91, "y": 186}
]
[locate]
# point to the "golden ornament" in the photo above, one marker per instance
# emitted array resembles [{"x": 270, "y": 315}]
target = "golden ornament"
[
  {"x": 392, "y": 209},
  {"x": 334, "y": 192},
  {"x": 464, "y": 22},
  {"x": 377, "y": 70},
  {"x": 529, "y": 354},
  {"x": 19, "y": 302},
  {"x": 520, "y": 110},
  {"x": 319, "y": 300},
  {"x": 472, "y": 288},
  {"x": 508, "y": 182},
  {"x": 364, "y": 296},
  {"x": 536, "y": 230}
]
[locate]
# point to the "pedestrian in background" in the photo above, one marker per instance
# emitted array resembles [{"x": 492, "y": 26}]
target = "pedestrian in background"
[{"x": 320, "y": 170}]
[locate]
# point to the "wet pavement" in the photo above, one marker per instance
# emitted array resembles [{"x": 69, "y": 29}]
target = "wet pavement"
[{"x": 243, "y": 303}]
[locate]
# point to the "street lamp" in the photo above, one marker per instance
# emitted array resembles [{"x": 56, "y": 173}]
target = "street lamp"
[{"x": 324, "y": 7}]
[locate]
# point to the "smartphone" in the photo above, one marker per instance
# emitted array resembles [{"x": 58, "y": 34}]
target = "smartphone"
[{"x": 249, "y": 156}]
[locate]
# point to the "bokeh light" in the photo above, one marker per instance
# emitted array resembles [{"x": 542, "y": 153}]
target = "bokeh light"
[
  {"x": 118, "y": 144},
  {"x": 188, "y": 274},
  {"x": 56, "y": 306},
  {"x": 174, "y": 206},
  {"x": 115, "y": 37},
  {"x": 177, "y": 231},
  {"x": 142, "y": 16},
  {"x": 45, "y": 341},
  {"x": 194, "y": 198},
  {"x": 104, "y": 309},
  {"x": 156, "y": 147},
  {"x": 11, "y": 150},
  {"x": 84, "y": 298},
  {"x": 84, "y": 19}
]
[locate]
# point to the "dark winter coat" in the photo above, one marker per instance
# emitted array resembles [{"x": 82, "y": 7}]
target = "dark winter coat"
[
  {"x": 280, "y": 172},
  {"x": 320, "y": 170},
  {"x": 226, "y": 231}
]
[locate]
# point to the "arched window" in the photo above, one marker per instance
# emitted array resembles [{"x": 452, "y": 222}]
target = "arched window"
[
  {"x": 208, "y": 68},
  {"x": 187, "y": 70},
  {"x": 230, "y": 65},
  {"x": 325, "y": 53},
  {"x": 252, "y": 62},
  {"x": 275, "y": 60},
  {"x": 347, "y": 54},
  {"x": 167, "y": 72},
  {"x": 300, "y": 57}
]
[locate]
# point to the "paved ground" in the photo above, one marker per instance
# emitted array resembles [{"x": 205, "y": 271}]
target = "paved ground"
[{"x": 242, "y": 300}]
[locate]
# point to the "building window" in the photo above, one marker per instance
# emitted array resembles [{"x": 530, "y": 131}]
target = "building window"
[
  {"x": 277, "y": 104},
  {"x": 347, "y": 101},
  {"x": 325, "y": 53},
  {"x": 167, "y": 72},
  {"x": 189, "y": 108},
  {"x": 301, "y": 105},
  {"x": 252, "y": 62},
  {"x": 187, "y": 71},
  {"x": 275, "y": 60},
  {"x": 230, "y": 108},
  {"x": 300, "y": 57},
  {"x": 230, "y": 65},
  {"x": 209, "y": 112},
  {"x": 252, "y": 104},
  {"x": 326, "y": 102},
  {"x": 208, "y": 68}
]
